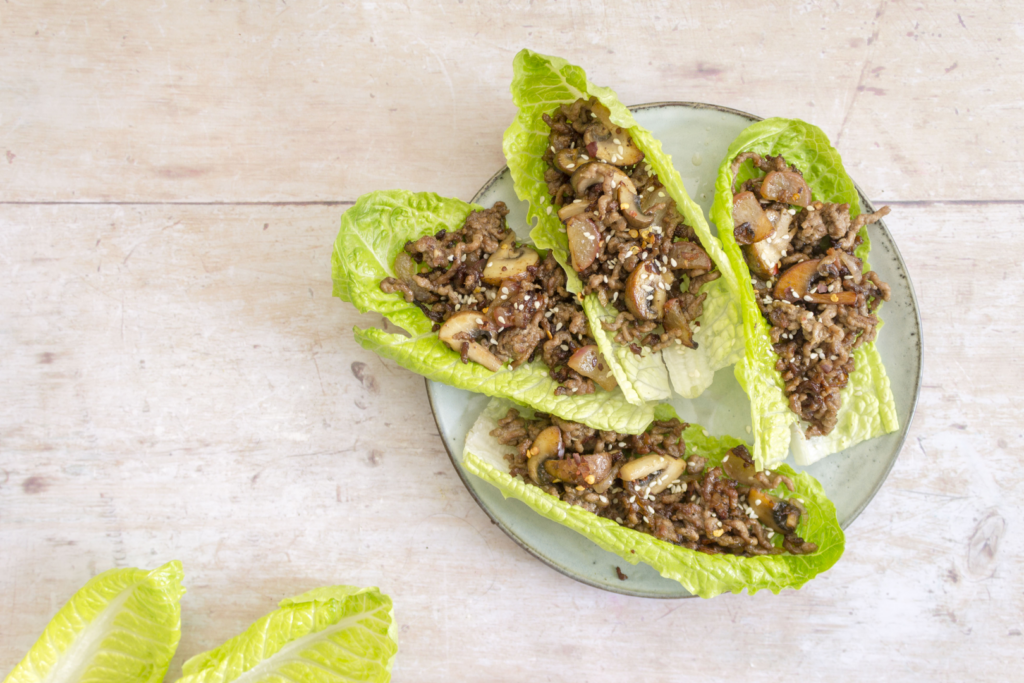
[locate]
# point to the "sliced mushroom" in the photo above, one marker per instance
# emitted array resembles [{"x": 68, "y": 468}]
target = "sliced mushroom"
[
  {"x": 572, "y": 209},
  {"x": 406, "y": 270},
  {"x": 611, "y": 144},
  {"x": 763, "y": 257},
  {"x": 738, "y": 465},
  {"x": 629, "y": 205},
  {"x": 462, "y": 329},
  {"x": 788, "y": 187},
  {"x": 750, "y": 222},
  {"x": 677, "y": 321},
  {"x": 603, "y": 485},
  {"x": 588, "y": 361},
  {"x": 774, "y": 513},
  {"x": 588, "y": 471},
  {"x": 509, "y": 262},
  {"x": 688, "y": 256},
  {"x": 568, "y": 160},
  {"x": 548, "y": 445},
  {"x": 655, "y": 202},
  {"x": 670, "y": 468},
  {"x": 795, "y": 283},
  {"x": 646, "y": 291},
  {"x": 584, "y": 237},
  {"x": 594, "y": 172}
]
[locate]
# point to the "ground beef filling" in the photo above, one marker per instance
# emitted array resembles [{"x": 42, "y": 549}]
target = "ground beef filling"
[
  {"x": 520, "y": 319},
  {"x": 815, "y": 340},
  {"x": 620, "y": 221},
  {"x": 645, "y": 482}
]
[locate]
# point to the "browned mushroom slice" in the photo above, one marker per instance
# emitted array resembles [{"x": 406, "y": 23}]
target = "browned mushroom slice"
[
  {"x": 588, "y": 361},
  {"x": 655, "y": 202},
  {"x": 670, "y": 470},
  {"x": 568, "y": 160},
  {"x": 676, "y": 320},
  {"x": 589, "y": 470},
  {"x": 629, "y": 205},
  {"x": 584, "y": 241},
  {"x": 740, "y": 466},
  {"x": 406, "y": 270},
  {"x": 795, "y": 283},
  {"x": 688, "y": 256},
  {"x": 509, "y": 262},
  {"x": 461, "y": 330},
  {"x": 646, "y": 291},
  {"x": 788, "y": 187},
  {"x": 593, "y": 173},
  {"x": 774, "y": 513},
  {"x": 603, "y": 485},
  {"x": 571, "y": 209},
  {"x": 763, "y": 257},
  {"x": 750, "y": 222},
  {"x": 546, "y": 446},
  {"x": 612, "y": 145}
]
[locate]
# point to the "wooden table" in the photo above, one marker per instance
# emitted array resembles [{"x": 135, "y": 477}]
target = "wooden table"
[{"x": 178, "y": 381}]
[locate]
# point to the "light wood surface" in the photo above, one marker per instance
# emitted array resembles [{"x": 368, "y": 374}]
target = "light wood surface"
[{"x": 178, "y": 382}]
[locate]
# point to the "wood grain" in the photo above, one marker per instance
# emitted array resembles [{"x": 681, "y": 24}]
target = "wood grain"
[
  {"x": 179, "y": 383},
  {"x": 201, "y": 101}
]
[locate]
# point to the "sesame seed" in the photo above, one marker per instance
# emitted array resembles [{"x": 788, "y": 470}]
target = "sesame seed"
[
  {"x": 748, "y": 429},
  {"x": 615, "y": 296},
  {"x": 661, "y": 194},
  {"x": 558, "y": 327},
  {"x": 564, "y": 347},
  {"x": 725, "y": 459},
  {"x": 616, "y": 141},
  {"x": 479, "y": 321},
  {"x": 632, "y": 498},
  {"x": 622, "y": 444},
  {"x": 549, "y": 210},
  {"x": 620, "y": 151}
]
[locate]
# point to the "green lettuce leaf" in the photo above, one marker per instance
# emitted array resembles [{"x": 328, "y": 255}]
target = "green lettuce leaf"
[
  {"x": 122, "y": 626},
  {"x": 326, "y": 635},
  {"x": 701, "y": 574},
  {"x": 371, "y": 235},
  {"x": 539, "y": 85},
  {"x": 869, "y": 409}
]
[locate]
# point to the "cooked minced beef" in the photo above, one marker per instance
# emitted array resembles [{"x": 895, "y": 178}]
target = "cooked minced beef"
[
  {"x": 669, "y": 496},
  {"x": 816, "y": 324},
  {"x": 621, "y": 222},
  {"x": 531, "y": 314}
]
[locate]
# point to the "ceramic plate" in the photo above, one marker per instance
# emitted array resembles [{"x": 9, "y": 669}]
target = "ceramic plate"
[{"x": 698, "y": 136}]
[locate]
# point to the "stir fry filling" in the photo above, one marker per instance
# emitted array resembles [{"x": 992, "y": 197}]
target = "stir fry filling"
[
  {"x": 495, "y": 301},
  {"x": 645, "y": 482},
  {"x": 808, "y": 283},
  {"x": 627, "y": 241}
]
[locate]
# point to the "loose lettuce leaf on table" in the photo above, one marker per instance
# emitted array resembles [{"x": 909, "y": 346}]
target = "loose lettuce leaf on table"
[
  {"x": 869, "y": 409},
  {"x": 122, "y": 626},
  {"x": 336, "y": 633},
  {"x": 701, "y": 574},
  {"x": 372, "y": 234},
  {"x": 540, "y": 84}
]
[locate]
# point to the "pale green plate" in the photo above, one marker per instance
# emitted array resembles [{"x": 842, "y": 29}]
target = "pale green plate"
[{"x": 697, "y": 136}]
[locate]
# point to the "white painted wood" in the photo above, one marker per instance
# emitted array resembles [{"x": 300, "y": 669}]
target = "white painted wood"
[{"x": 178, "y": 382}]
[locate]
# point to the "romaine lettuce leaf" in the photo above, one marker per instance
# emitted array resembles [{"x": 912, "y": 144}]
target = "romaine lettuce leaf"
[
  {"x": 326, "y": 635},
  {"x": 372, "y": 234},
  {"x": 869, "y": 408},
  {"x": 122, "y": 626},
  {"x": 540, "y": 84},
  {"x": 701, "y": 574}
]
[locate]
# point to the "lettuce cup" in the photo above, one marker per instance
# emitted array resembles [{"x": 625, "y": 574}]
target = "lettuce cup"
[
  {"x": 614, "y": 212},
  {"x": 480, "y": 310},
  {"x": 790, "y": 221}
]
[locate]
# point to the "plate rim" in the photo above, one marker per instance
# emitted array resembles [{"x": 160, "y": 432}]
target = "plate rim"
[{"x": 624, "y": 589}]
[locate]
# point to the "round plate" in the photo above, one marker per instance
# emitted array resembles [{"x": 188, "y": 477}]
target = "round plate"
[{"x": 698, "y": 136}]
